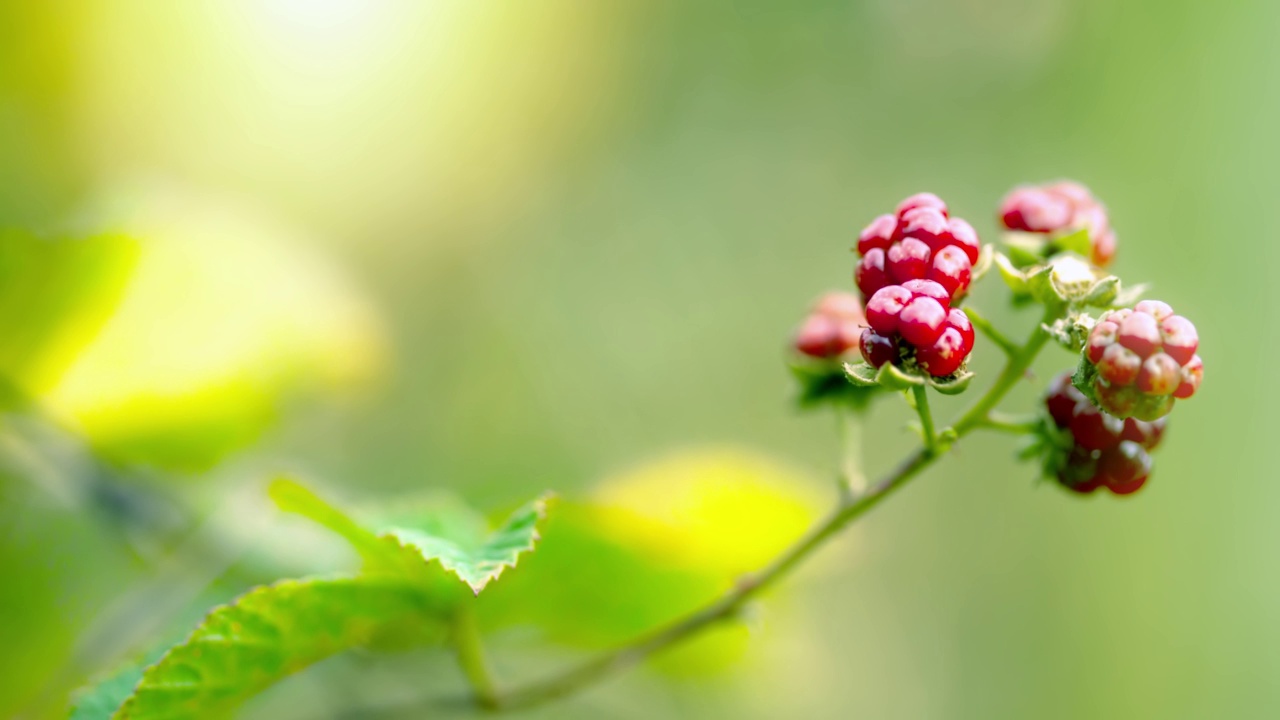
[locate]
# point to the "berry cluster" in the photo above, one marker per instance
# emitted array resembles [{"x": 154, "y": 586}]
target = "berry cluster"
[
  {"x": 833, "y": 326},
  {"x": 1142, "y": 359},
  {"x": 1105, "y": 450},
  {"x": 915, "y": 323},
  {"x": 1058, "y": 209},
  {"x": 921, "y": 241}
]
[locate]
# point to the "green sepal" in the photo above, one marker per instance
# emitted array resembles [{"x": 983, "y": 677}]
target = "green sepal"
[
  {"x": 986, "y": 255},
  {"x": 895, "y": 378},
  {"x": 1077, "y": 242},
  {"x": 953, "y": 384},
  {"x": 1012, "y": 276},
  {"x": 826, "y": 383},
  {"x": 861, "y": 374}
]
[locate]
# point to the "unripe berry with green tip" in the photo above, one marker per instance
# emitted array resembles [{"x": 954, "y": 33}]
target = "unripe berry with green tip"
[{"x": 1142, "y": 359}]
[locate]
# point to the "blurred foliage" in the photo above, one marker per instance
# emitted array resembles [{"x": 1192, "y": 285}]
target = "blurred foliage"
[{"x": 588, "y": 229}]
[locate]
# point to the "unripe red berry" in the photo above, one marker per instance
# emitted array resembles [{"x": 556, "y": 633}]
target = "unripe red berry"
[
  {"x": 877, "y": 349},
  {"x": 927, "y": 225},
  {"x": 1157, "y": 309},
  {"x": 879, "y": 234},
  {"x": 963, "y": 236},
  {"x": 819, "y": 337},
  {"x": 1192, "y": 374},
  {"x": 928, "y": 288},
  {"x": 951, "y": 270},
  {"x": 1124, "y": 469},
  {"x": 1034, "y": 210},
  {"x": 908, "y": 260},
  {"x": 921, "y": 200},
  {"x": 1074, "y": 192},
  {"x": 1140, "y": 333},
  {"x": 1104, "y": 248},
  {"x": 1119, "y": 365},
  {"x": 1146, "y": 434},
  {"x": 957, "y": 319},
  {"x": 1094, "y": 429},
  {"x": 1180, "y": 338},
  {"x": 1160, "y": 375},
  {"x": 1102, "y": 336},
  {"x": 921, "y": 321},
  {"x": 842, "y": 305},
  {"x": 871, "y": 275},
  {"x": 885, "y": 307},
  {"x": 946, "y": 355}
]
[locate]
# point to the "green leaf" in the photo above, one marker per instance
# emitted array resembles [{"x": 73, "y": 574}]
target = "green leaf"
[
  {"x": 894, "y": 378},
  {"x": 271, "y": 632},
  {"x": 861, "y": 374},
  {"x": 952, "y": 385},
  {"x": 477, "y": 561},
  {"x": 449, "y": 532},
  {"x": 100, "y": 700},
  {"x": 1077, "y": 242}
]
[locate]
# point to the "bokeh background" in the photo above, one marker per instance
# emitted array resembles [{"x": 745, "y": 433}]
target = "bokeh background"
[{"x": 496, "y": 248}]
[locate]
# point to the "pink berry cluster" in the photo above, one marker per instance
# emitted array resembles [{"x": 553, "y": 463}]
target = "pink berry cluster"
[
  {"x": 1057, "y": 209},
  {"x": 915, "y": 322},
  {"x": 921, "y": 241},
  {"x": 833, "y": 326},
  {"x": 1144, "y": 358},
  {"x": 1105, "y": 450}
]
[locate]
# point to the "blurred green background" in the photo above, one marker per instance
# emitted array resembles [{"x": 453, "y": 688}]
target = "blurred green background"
[{"x": 502, "y": 247}]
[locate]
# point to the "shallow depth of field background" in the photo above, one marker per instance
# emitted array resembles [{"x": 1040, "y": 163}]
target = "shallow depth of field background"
[{"x": 498, "y": 248}]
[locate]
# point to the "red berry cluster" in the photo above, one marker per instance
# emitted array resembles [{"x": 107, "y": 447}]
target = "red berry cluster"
[
  {"x": 921, "y": 241},
  {"x": 1106, "y": 451},
  {"x": 1144, "y": 357},
  {"x": 1057, "y": 209},
  {"x": 832, "y": 327},
  {"x": 917, "y": 317}
]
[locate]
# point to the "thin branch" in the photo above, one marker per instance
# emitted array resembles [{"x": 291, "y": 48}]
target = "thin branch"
[
  {"x": 727, "y": 606},
  {"x": 1014, "y": 425},
  {"x": 472, "y": 659}
]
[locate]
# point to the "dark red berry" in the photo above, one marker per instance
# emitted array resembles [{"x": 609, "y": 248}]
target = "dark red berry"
[
  {"x": 951, "y": 270},
  {"x": 928, "y": 288},
  {"x": 908, "y": 260},
  {"x": 1094, "y": 429},
  {"x": 963, "y": 236},
  {"x": 1124, "y": 468},
  {"x": 922, "y": 200},
  {"x": 871, "y": 274},
  {"x": 1192, "y": 374},
  {"x": 1180, "y": 338},
  {"x": 1080, "y": 472},
  {"x": 877, "y": 349},
  {"x": 921, "y": 321},
  {"x": 885, "y": 307},
  {"x": 879, "y": 234},
  {"x": 1160, "y": 375},
  {"x": 1146, "y": 434},
  {"x": 1140, "y": 333},
  {"x": 1061, "y": 400}
]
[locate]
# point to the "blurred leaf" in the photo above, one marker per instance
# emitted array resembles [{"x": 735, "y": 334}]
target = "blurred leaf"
[
  {"x": 226, "y": 317},
  {"x": 271, "y": 632},
  {"x": 55, "y": 294},
  {"x": 1077, "y": 242},
  {"x": 101, "y": 700},
  {"x": 480, "y": 560},
  {"x": 651, "y": 545}
]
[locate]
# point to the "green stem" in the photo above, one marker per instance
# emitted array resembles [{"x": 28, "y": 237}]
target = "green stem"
[
  {"x": 849, "y": 423},
  {"x": 849, "y": 508},
  {"x": 1011, "y": 424},
  {"x": 472, "y": 659},
  {"x": 921, "y": 395},
  {"x": 984, "y": 326}
]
